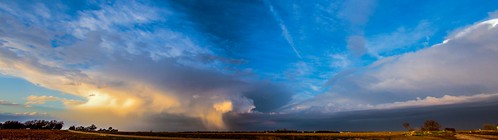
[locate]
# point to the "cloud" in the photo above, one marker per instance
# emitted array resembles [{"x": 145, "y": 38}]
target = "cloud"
[
  {"x": 356, "y": 13},
  {"x": 357, "y": 45},
  {"x": 433, "y": 101},
  {"x": 11, "y": 104},
  {"x": 493, "y": 14},
  {"x": 339, "y": 61},
  {"x": 30, "y": 114},
  {"x": 370, "y": 120},
  {"x": 7, "y": 103},
  {"x": 127, "y": 67},
  {"x": 379, "y": 45},
  {"x": 461, "y": 69},
  {"x": 43, "y": 99},
  {"x": 283, "y": 27},
  {"x": 23, "y": 116}
]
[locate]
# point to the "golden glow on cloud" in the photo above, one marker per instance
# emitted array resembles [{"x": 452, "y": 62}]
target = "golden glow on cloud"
[
  {"x": 223, "y": 107},
  {"x": 135, "y": 90},
  {"x": 116, "y": 103}
]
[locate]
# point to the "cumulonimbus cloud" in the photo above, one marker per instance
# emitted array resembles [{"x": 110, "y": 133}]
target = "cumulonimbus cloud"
[{"x": 123, "y": 73}]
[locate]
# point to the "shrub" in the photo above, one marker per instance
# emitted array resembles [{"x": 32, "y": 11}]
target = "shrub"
[
  {"x": 489, "y": 127},
  {"x": 80, "y": 128},
  {"x": 450, "y": 130},
  {"x": 72, "y": 128},
  {"x": 431, "y": 125},
  {"x": 407, "y": 126}
]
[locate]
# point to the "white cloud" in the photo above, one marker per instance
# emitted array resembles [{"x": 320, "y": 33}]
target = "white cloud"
[
  {"x": 459, "y": 70},
  {"x": 340, "y": 61},
  {"x": 7, "y": 103},
  {"x": 431, "y": 101},
  {"x": 111, "y": 15},
  {"x": 31, "y": 114},
  {"x": 467, "y": 59}
]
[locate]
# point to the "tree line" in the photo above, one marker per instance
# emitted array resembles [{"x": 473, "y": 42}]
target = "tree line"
[
  {"x": 429, "y": 125},
  {"x": 33, "y": 124},
  {"x": 92, "y": 128}
]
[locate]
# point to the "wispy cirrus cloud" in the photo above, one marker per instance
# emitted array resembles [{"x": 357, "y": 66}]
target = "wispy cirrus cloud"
[
  {"x": 283, "y": 27},
  {"x": 399, "y": 40}
]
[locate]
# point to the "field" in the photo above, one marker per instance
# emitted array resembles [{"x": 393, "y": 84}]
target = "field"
[
  {"x": 62, "y": 134},
  {"x": 286, "y": 136},
  {"x": 47, "y": 135}
]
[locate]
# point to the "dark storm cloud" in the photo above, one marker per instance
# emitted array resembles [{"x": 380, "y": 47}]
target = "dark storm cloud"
[
  {"x": 461, "y": 117},
  {"x": 269, "y": 97},
  {"x": 189, "y": 81},
  {"x": 152, "y": 60}
]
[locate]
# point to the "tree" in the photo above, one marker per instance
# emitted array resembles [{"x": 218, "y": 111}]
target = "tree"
[
  {"x": 91, "y": 127},
  {"x": 13, "y": 125},
  {"x": 58, "y": 125},
  {"x": 489, "y": 127},
  {"x": 80, "y": 128},
  {"x": 72, "y": 128},
  {"x": 43, "y": 124},
  {"x": 431, "y": 125},
  {"x": 407, "y": 126}
]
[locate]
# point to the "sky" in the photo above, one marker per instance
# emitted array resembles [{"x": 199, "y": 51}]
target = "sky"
[{"x": 348, "y": 65}]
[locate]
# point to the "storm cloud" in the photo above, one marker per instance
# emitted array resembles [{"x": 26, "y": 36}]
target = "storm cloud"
[
  {"x": 116, "y": 71},
  {"x": 449, "y": 116}
]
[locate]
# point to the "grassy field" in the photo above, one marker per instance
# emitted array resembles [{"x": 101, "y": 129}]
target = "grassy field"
[
  {"x": 47, "y": 135},
  {"x": 63, "y": 134},
  {"x": 292, "y": 136}
]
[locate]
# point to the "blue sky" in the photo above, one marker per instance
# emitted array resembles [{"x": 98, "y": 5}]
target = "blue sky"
[{"x": 209, "y": 60}]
